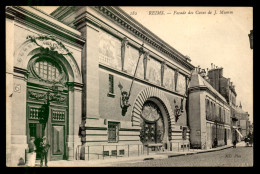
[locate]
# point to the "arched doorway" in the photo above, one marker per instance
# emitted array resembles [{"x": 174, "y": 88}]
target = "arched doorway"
[
  {"x": 151, "y": 122},
  {"x": 154, "y": 99},
  {"x": 46, "y": 72},
  {"x": 32, "y": 88}
]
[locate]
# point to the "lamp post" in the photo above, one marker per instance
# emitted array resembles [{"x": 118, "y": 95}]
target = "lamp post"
[
  {"x": 251, "y": 39},
  {"x": 44, "y": 110}
]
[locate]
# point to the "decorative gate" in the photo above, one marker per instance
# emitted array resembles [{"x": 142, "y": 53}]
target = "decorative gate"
[{"x": 151, "y": 124}]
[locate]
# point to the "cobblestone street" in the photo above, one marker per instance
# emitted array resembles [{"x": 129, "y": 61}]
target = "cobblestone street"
[{"x": 240, "y": 156}]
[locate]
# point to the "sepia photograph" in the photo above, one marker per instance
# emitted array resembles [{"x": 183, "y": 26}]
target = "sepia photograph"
[{"x": 129, "y": 86}]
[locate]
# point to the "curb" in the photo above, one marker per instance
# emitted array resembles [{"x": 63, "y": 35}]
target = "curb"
[
  {"x": 214, "y": 150},
  {"x": 188, "y": 153},
  {"x": 161, "y": 156}
]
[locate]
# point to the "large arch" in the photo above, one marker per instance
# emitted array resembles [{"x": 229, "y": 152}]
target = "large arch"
[
  {"x": 157, "y": 96},
  {"x": 142, "y": 97}
]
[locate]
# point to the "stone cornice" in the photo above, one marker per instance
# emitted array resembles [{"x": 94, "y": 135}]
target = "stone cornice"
[
  {"x": 62, "y": 11},
  {"x": 27, "y": 16},
  {"x": 204, "y": 88},
  {"x": 122, "y": 19},
  {"x": 75, "y": 84}
]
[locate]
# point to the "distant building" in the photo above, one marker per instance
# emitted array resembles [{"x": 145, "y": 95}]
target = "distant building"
[
  {"x": 227, "y": 89},
  {"x": 243, "y": 121},
  {"x": 209, "y": 114}
]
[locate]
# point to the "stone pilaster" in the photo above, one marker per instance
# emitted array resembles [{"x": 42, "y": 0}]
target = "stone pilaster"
[
  {"x": 75, "y": 117},
  {"x": 123, "y": 51},
  {"x": 9, "y": 84},
  {"x": 18, "y": 120},
  {"x": 176, "y": 78},
  {"x": 163, "y": 66},
  {"x": 92, "y": 73},
  {"x": 145, "y": 59}
]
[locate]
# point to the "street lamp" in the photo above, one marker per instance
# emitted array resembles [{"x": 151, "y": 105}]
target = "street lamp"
[
  {"x": 251, "y": 39},
  {"x": 44, "y": 110}
]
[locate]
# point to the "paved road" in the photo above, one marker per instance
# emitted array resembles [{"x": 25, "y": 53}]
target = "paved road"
[{"x": 240, "y": 156}]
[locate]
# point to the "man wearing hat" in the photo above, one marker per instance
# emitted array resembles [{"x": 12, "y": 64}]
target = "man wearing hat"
[{"x": 44, "y": 150}]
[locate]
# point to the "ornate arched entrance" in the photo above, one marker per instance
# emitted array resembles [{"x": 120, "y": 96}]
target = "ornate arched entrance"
[
  {"x": 52, "y": 79},
  {"x": 47, "y": 86},
  {"x": 151, "y": 122},
  {"x": 153, "y": 113}
]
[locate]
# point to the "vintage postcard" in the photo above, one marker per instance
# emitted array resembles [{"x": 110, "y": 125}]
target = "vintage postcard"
[{"x": 102, "y": 86}]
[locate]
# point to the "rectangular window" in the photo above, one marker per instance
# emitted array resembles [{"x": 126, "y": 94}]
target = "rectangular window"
[
  {"x": 184, "y": 133},
  {"x": 111, "y": 84},
  {"x": 113, "y": 132}
]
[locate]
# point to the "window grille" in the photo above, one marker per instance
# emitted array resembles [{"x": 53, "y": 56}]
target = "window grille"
[
  {"x": 113, "y": 132},
  {"x": 47, "y": 70},
  {"x": 111, "y": 84},
  {"x": 184, "y": 133}
]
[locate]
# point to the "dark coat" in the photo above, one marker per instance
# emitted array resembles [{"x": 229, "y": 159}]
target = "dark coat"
[{"x": 44, "y": 146}]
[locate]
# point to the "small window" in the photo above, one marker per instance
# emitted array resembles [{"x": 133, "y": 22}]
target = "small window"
[
  {"x": 111, "y": 84},
  {"x": 184, "y": 133},
  {"x": 113, "y": 132}
]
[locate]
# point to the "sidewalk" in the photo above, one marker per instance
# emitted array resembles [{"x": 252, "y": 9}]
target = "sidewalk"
[{"x": 109, "y": 162}]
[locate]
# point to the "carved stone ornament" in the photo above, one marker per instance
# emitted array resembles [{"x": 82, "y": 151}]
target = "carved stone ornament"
[
  {"x": 57, "y": 98},
  {"x": 178, "y": 110},
  {"x": 124, "y": 44},
  {"x": 49, "y": 42},
  {"x": 176, "y": 78},
  {"x": 17, "y": 88},
  {"x": 145, "y": 59},
  {"x": 124, "y": 100},
  {"x": 37, "y": 95}
]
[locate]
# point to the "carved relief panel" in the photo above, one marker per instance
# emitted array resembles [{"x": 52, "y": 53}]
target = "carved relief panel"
[
  {"x": 131, "y": 60},
  {"x": 109, "y": 50},
  {"x": 181, "y": 84},
  {"x": 154, "y": 71},
  {"x": 168, "y": 80}
]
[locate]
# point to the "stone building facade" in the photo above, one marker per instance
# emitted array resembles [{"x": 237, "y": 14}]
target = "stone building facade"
[
  {"x": 44, "y": 68},
  {"x": 209, "y": 114},
  {"x": 243, "y": 121},
  {"x": 81, "y": 63},
  {"x": 227, "y": 89}
]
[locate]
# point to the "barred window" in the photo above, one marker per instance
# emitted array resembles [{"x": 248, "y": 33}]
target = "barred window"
[
  {"x": 111, "y": 84},
  {"x": 184, "y": 133},
  {"x": 220, "y": 116},
  {"x": 207, "y": 109},
  {"x": 47, "y": 70},
  {"x": 113, "y": 132}
]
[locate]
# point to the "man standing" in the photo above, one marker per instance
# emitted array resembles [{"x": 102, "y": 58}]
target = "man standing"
[
  {"x": 44, "y": 150},
  {"x": 234, "y": 143}
]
